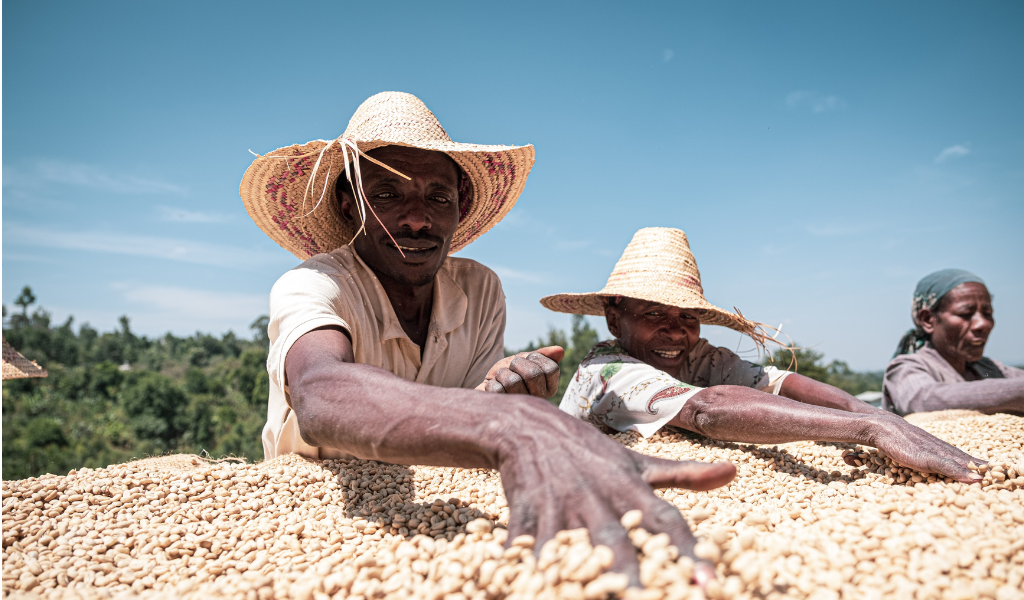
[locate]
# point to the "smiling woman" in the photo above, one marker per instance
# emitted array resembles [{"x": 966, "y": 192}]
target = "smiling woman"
[
  {"x": 940, "y": 364},
  {"x": 654, "y": 372}
]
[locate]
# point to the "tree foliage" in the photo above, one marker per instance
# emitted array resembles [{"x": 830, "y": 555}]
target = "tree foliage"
[
  {"x": 810, "y": 363},
  {"x": 114, "y": 396}
]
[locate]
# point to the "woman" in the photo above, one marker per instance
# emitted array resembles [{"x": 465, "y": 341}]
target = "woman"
[
  {"x": 654, "y": 373},
  {"x": 940, "y": 363}
]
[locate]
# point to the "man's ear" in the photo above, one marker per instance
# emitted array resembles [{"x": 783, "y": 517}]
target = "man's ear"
[
  {"x": 345, "y": 206},
  {"x": 927, "y": 320},
  {"x": 611, "y": 318}
]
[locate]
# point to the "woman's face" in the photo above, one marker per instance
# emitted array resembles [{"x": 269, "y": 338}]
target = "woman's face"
[
  {"x": 961, "y": 323},
  {"x": 657, "y": 334}
]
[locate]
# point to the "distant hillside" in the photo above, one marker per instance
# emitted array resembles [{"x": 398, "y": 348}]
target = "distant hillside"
[{"x": 114, "y": 396}]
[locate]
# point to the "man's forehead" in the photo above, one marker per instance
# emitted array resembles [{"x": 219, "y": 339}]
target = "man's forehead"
[
  {"x": 419, "y": 163},
  {"x": 638, "y": 305}
]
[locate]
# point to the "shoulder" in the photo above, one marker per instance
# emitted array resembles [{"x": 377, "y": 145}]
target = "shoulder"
[
  {"x": 335, "y": 280},
  {"x": 605, "y": 353},
  {"x": 339, "y": 263},
  {"x": 476, "y": 280},
  {"x": 467, "y": 269},
  {"x": 922, "y": 360}
]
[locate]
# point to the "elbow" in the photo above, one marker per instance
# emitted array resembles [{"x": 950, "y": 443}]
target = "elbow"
[
  {"x": 703, "y": 412},
  {"x": 304, "y": 406}
]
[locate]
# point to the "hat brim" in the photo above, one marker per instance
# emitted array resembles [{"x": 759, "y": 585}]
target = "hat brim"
[
  {"x": 594, "y": 303},
  {"x": 275, "y": 191}
]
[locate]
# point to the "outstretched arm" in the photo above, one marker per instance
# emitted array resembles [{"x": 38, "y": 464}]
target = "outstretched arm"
[
  {"x": 808, "y": 391},
  {"x": 740, "y": 414},
  {"x": 373, "y": 414},
  {"x": 913, "y": 389}
]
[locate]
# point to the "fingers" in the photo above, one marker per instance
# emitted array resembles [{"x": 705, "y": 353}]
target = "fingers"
[
  {"x": 493, "y": 387},
  {"x": 606, "y": 530},
  {"x": 692, "y": 475},
  {"x": 950, "y": 468},
  {"x": 540, "y": 373},
  {"x": 522, "y": 520},
  {"x": 703, "y": 572},
  {"x": 511, "y": 381},
  {"x": 550, "y": 520},
  {"x": 661, "y": 517},
  {"x": 555, "y": 353},
  {"x": 533, "y": 374}
]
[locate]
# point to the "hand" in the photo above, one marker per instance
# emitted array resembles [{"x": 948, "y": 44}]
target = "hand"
[
  {"x": 914, "y": 447},
  {"x": 564, "y": 474},
  {"x": 534, "y": 373}
]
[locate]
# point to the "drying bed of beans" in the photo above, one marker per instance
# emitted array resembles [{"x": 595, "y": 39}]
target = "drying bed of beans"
[{"x": 797, "y": 522}]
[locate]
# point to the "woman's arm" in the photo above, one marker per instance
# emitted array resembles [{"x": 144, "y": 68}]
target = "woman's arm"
[
  {"x": 912, "y": 389},
  {"x": 808, "y": 391},
  {"x": 740, "y": 414}
]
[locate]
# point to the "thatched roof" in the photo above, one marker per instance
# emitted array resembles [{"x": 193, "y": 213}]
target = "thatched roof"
[{"x": 17, "y": 366}]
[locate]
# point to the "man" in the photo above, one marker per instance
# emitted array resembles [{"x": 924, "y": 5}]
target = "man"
[{"x": 379, "y": 337}]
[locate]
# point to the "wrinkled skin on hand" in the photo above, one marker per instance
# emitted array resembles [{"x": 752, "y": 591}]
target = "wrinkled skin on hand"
[
  {"x": 914, "y": 447},
  {"x": 740, "y": 414},
  {"x": 557, "y": 471},
  {"x": 534, "y": 373},
  {"x": 587, "y": 482}
]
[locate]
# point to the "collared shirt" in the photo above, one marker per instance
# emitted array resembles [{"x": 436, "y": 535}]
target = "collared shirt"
[
  {"x": 465, "y": 336},
  {"x": 925, "y": 382},
  {"x": 615, "y": 391}
]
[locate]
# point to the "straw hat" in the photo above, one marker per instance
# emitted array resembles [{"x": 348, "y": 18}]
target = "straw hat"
[
  {"x": 284, "y": 191},
  {"x": 16, "y": 366},
  {"x": 656, "y": 266}
]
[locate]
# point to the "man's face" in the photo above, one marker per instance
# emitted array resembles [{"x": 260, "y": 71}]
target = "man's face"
[
  {"x": 656, "y": 334},
  {"x": 421, "y": 214},
  {"x": 961, "y": 326}
]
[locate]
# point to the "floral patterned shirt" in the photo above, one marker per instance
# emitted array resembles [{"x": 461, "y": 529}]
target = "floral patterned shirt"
[{"x": 617, "y": 392}]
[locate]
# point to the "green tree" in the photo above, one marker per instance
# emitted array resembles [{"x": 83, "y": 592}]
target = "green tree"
[
  {"x": 25, "y": 300},
  {"x": 182, "y": 394},
  {"x": 837, "y": 373}
]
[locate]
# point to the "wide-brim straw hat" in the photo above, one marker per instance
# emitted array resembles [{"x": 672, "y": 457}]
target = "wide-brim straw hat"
[
  {"x": 289, "y": 192},
  {"x": 656, "y": 266},
  {"x": 16, "y": 366}
]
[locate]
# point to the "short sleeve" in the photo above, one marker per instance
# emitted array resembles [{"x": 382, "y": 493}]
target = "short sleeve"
[
  {"x": 302, "y": 300},
  {"x": 775, "y": 377},
  {"x": 623, "y": 394}
]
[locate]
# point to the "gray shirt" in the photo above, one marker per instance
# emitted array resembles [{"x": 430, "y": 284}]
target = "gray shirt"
[{"x": 925, "y": 382}]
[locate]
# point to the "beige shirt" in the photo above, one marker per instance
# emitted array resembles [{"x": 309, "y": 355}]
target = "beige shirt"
[{"x": 465, "y": 336}]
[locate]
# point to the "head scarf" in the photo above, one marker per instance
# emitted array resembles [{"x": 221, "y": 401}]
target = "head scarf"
[{"x": 928, "y": 294}]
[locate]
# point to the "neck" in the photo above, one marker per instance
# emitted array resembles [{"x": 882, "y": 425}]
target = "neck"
[
  {"x": 413, "y": 305},
  {"x": 959, "y": 364}
]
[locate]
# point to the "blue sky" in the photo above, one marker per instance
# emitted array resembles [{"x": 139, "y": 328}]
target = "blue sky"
[{"x": 821, "y": 157}]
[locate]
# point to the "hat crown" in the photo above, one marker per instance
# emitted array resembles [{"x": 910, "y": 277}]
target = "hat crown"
[
  {"x": 395, "y": 117},
  {"x": 658, "y": 255}
]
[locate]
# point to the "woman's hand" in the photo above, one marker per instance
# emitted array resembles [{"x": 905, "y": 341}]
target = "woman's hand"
[{"x": 914, "y": 447}]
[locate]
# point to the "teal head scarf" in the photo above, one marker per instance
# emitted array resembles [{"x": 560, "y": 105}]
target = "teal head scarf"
[{"x": 928, "y": 294}]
